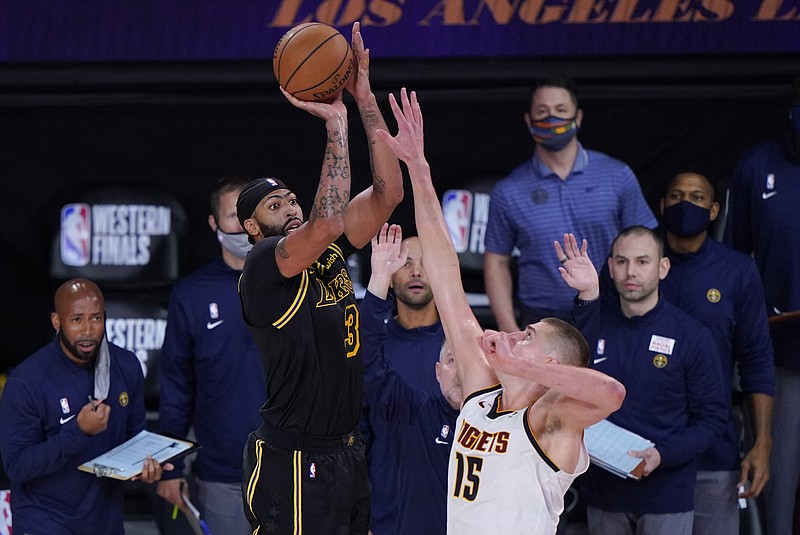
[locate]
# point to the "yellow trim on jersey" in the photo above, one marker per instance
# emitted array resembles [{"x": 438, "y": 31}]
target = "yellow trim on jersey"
[
  {"x": 297, "y": 493},
  {"x": 251, "y": 485},
  {"x": 295, "y": 306},
  {"x": 337, "y": 250}
]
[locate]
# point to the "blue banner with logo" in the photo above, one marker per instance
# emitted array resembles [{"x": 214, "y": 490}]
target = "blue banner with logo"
[{"x": 178, "y": 30}]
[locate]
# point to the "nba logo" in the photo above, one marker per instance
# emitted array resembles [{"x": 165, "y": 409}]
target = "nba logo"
[
  {"x": 312, "y": 470},
  {"x": 457, "y": 210},
  {"x": 75, "y": 234},
  {"x": 770, "y": 181},
  {"x": 213, "y": 310},
  {"x": 601, "y": 346},
  {"x": 445, "y": 431},
  {"x": 64, "y": 405}
]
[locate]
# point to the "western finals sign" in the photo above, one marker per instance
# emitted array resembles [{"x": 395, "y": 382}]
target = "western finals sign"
[
  {"x": 121, "y": 235},
  {"x": 111, "y": 234}
]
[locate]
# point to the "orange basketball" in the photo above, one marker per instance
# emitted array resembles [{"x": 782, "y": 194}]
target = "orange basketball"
[{"x": 312, "y": 62}]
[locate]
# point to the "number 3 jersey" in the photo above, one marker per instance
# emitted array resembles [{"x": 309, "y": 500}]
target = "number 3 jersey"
[
  {"x": 306, "y": 329},
  {"x": 499, "y": 479}
]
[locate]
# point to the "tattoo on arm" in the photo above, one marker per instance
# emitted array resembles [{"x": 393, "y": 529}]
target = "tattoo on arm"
[
  {"x": 378, "y": 184},
  {"x": 334, "y": 136},
  {"x": 336, "y": 166},
  {"x": 280, "y": 249},
  {"x": 330, "y": 204},
  {"x": 369, "y": 117}
]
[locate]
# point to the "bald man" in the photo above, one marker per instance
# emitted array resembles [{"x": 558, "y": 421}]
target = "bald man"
[{"x": 53, "y": 421}]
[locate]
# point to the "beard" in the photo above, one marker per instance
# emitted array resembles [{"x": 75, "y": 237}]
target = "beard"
[
  {"x": 271, "y": 230},
  {"x": 414, "y": 301},
  {"x": 72, "y": 348},
  {"x": 276, "y": 230}
]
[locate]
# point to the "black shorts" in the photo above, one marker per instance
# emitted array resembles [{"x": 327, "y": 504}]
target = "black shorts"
[{"x": 314, "y": 488}]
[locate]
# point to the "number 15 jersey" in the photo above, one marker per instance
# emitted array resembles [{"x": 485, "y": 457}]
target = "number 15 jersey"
[{"x": 499, "y": 479}]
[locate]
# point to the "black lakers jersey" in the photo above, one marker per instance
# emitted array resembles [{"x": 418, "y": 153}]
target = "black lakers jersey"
[{"x": 307, "y": 330}]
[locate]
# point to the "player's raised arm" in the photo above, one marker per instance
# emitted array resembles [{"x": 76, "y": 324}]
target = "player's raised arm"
[
  {"x": 372, "y": 207},
  {"x": 588, "y": 396},
  {"x": 325, "y": 221},
  {"x": 441, "y": 262}
]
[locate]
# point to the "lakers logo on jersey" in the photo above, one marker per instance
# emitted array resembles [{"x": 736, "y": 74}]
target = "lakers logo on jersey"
[
  {"x": 335, "y": 289},
  {"x": 713, "y": 295}
]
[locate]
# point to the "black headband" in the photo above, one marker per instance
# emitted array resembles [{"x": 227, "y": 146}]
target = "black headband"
[{"x": 252, "y": 194}]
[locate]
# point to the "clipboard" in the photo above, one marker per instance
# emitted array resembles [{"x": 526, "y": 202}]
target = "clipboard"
[
  {"x": 608, "y": 445},
  {"x": 125, "y": 461}
]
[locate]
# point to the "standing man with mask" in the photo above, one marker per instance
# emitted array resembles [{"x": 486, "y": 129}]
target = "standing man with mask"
[
  {"x": 721, "y": 288},
  {"x": 211, "y": 377},
  {"x": 763, "y": 200},
  {"x": 563, "y": 188}
]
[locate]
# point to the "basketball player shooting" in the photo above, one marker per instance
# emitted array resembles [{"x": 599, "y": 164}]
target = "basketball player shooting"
[
  {"x": 304, "y": 468},
  {"x": 528, "y": 394}
]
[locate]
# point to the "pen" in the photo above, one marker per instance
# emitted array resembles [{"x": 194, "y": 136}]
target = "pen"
[{"x": 94, "y": 407}]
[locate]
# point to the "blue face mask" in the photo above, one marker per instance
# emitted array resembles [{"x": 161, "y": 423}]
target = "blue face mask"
[
  {"x": 794, "y": 116},
  {"x": 686, "y": 219},
  {"x": 553, "y": 133}
]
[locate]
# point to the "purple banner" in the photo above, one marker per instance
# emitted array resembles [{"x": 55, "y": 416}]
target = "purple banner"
[{"x": 176, "y": 30}]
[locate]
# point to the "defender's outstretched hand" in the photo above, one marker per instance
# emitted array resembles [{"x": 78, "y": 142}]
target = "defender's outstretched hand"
[
  {"x": 576, "y": 268},
  {"x": 408, "y": 144}
]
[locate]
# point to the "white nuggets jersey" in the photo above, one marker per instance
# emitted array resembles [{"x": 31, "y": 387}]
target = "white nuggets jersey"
[{"x": 499, "y": 479}]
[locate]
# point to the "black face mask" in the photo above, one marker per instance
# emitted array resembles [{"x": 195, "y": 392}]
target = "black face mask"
[{"x": 686, "y": 219}]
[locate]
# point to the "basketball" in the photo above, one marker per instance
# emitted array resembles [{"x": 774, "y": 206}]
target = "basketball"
[{"x": 312, "y": 62}]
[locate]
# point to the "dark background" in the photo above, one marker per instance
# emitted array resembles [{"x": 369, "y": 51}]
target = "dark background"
[{"x": 177, "y": 127}]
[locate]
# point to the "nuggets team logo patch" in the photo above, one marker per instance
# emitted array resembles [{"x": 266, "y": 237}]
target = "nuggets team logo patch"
[
  {"x": 123, "y": 399},
  {"x": 659, "y": 361},
  {"x": 713, "y": 295}
]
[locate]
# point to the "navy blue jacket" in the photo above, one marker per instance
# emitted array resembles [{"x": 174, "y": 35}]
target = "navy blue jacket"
[
  {"x": 763, "y": 201},
  {"x": 721, "y": 288},
  {"x": 42, "y": 445},
  {"x": 420, "y": 425},
  {"x": 668, "y": 363},
  {"x": 211, "y": 375}
]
